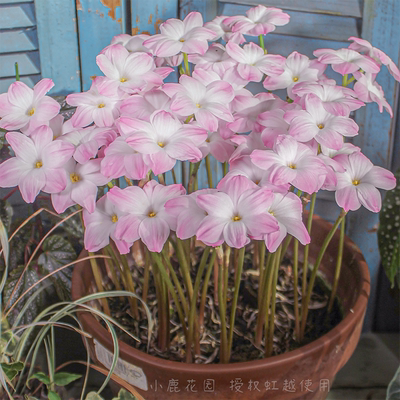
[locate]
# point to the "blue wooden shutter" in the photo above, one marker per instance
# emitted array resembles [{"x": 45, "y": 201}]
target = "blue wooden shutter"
[{"x": 18, "y": 43}]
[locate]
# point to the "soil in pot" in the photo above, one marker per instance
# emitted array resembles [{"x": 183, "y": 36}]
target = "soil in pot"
[{"x": 244, "y": 347}]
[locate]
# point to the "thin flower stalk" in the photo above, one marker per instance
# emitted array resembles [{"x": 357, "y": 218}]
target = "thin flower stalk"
[
  {"x": 99, "y": 283},
  {"x": 295, "y": 287},
  {"x": 222, "y": 313},
  {"x": 210, "y": 268},
  {"x": 209, "y": 172}
]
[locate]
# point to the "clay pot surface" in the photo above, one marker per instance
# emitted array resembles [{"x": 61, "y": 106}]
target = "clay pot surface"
[{"x": 305, "y": 373}]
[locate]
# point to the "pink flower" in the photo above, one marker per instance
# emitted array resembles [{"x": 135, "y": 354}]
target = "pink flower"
[
  {"x": 260, "y": 20},
  {"x": 224, "y": 31},
  {"x": 291, "y": 162},
  {"x": 142, "y": 105},
  {"x": 296, "y": 69},
  {"x": 274, "y": 125},
  {"x": 208, "y": 103},
  {"x": 134, "y": 44},
  {"x": 221, "y": 149},
  {"x": 358, "y": 184},
  {"x": 253, "y": 63},
  {"x": 337, "y": 100},
  {"x": 215, "y": 58},
  {"x": 81, "y": 188},
  {"x": 129, "y": 72},
  {"x": 362, "y": 45},
  {"x": 236, "y": 212},
  {"x": 88, "y": 141},
  {"x": 120, "y": 159},
  {"x": 163, "y": 140},
  {"x": 287, "y": 209},
  {"x": 189, "y": 215},
  {"x": 38, "y": 163},
  {"x": 346, "y": 61},
  {"x": 147, "y": 218},
  {"x": 92, "y": 106},
  {"x": 368, "y": 90},
  {"x": 26, "y": 109},
  {"x": 246, "y": 144},
  {"x": 316, "y": 123},
  {"x": 100, "y": 226},
  {"x": 187, "y": 36}
]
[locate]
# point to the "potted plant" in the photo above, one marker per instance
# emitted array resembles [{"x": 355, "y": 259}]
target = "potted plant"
[{"x": 235, "y": 269}]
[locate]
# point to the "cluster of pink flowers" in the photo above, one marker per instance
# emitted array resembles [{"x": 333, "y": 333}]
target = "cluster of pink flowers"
[{"x": 130, "y": 123}]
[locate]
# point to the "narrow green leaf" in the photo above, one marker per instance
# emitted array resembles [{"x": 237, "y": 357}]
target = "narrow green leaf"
[
  {"x": 393, "y": 390},
  {"x": 125, "y": 395},
  {"x": 64, "y": 378},
  {"x": 93, "y": 396},
  {"x": 53, "y": 395},
  {"x": 42, "y": 377}
]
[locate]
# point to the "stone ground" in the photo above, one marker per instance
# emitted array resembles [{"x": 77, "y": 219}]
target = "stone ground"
[{"x": 370, "y": 369}]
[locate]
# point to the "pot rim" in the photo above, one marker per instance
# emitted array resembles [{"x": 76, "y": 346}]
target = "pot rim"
[{"x": 128, "y": 352}]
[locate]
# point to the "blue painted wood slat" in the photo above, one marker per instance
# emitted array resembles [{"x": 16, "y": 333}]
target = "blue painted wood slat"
[
  {"x": 349, "y": 8},
  {"x": 30, "y": 80},
  {"x": 98, "y": 22},
  {"x": 18, "y": 40},
  {"x": 148, "y": 15},
  {"x": 28, "y": 63},
  {"x": 58, "y": 44},
  {"x": 17, "y": 16}
]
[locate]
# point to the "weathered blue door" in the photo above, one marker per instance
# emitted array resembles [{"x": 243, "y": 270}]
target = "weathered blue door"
[{"x": 61, "y": 38}]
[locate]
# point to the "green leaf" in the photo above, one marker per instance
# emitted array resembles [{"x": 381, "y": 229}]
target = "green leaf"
[
  {"x": 42, "y": 377},
  {"x": 64, "y": 378},
  {"x": 6, "y": 213},
  {"x": 29, "y": 397},
  {"x": 93, "y": 396},
  {"x": 53, "y": 395},
  {"x": 58, "y": 252},
  {"x": 393, "y": 390},
  {"x": 29, "y": 278},
  {"x": 389, "y": 233},
  {"x": 12, "y": 369},
  {"x": 124, "y": 395}
]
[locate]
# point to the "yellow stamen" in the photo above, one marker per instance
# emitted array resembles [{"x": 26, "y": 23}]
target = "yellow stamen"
[
  {"x": 101, "y": 105},
  {"x": 123, "y": 80},
  {"x": 31, "y": 112},
  {"x": 321, "y": 126},
  {"x": 236, "y": 218},
  {"x": 292, "y": 166},
  {"x": 182, "y": 40},
  {"x": 295, "y": 78},
  {"x": 151, "y": 214},
  {"x": 207, "y": 140},
  {"x": 356, "y": 182},
  {"x": 257, "y": 182},
  {"x": 114, "y": 218},
  {"x": 272, "y": 213},
  {"x": 39, "y": 164},
  {"x": 198, "y": 105},
  {"x": 74, "y": 177},
  {"x": 161, "y": 144}
]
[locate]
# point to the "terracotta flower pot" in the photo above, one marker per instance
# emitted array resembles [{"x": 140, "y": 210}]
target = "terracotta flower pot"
[{"x": 305, "y": 373}]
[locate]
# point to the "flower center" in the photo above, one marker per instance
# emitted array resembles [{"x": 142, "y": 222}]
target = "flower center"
[
  {"x": 356, "y": 182},
  {"x": 151, "y": 214},
  {"x": 321, "y": 126},
  {"x": 31, "y": 112},
  {"x": 236, "y": 218},
  {"x": 161, "y": 144},
  {"x": 74, "y": 177},
  {"x": 123, "y": 80},
  {"x": 207, "y": 140},
  {"x": 292, "y": 166},
  {"x": 295, "y": 78},
  {"x": 38, "y": 164},
  {"x": 182, "y": 40},
  {"x": 272, "y": 213},
  {"x": 198, "y": 105},
  {"x": 114, "y": 218},
  {"x": 101, "y": 105}
]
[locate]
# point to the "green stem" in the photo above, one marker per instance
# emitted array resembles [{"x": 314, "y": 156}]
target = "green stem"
[
  {"x": 186, "y": 63},
  {"x": 261, "y": 40},
  {"x": 225, "y": 168},
  {"x": 222, "y": 314},
  {"x": 192, "y": 313},
  {"x": 295, "y": 287},
  {"x": 307, "y": 247},
  {"x": 235, "y": 299},
  {"x": 269, "y": 339},
  {"x": 183, "y": 170},
  {"x": 285, "y": 246},
  {"x": 16, "y": 71},
  {"x": 161, "y": 179},
  {"x": 157, "y": 259},
  {"x": 321, "y": 253},
  {"x": 173, "y": 175},
  {"x": 209, "y": 172},
  {"x": 261, "y": 263},
  {"x": 205, "y": 287},
  {"x": 193, "y": 174},
  {"x": 338, "y": 265},
  {"x": 344, "y": 80},
  {"x": 99, "y": 282}
]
